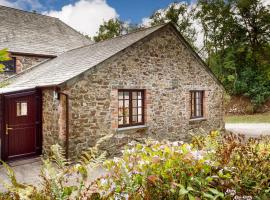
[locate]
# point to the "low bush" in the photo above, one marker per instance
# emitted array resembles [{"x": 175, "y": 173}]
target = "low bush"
[{"x": 212, "y": 166}]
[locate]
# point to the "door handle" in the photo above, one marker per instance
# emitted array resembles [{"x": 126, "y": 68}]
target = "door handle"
[{"x": 7, "y": 129}]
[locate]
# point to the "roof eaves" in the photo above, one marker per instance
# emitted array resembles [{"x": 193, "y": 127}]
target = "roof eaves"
[
  {"x": 24, "y": 71},
  {"x": 32, "y": 54}
]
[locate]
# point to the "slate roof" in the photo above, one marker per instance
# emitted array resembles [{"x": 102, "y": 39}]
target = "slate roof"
[
  {"x": 31, "y": 33},
  {"x": 73, "y": 62}
]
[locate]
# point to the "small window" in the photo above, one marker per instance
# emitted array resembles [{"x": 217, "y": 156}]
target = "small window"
[
  {"x": 10, "y": 65},
  {"x": 196, "y": 104},
  {"x": 130, "y": 107},
  {"x": 21, "y": 109}
]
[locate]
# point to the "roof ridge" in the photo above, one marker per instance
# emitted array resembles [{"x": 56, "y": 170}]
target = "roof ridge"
[
  {"x": 128, "y": 34},
  {"x": 135, "y": 31},
  {"x": 28, "y": 12},
  {"x": 71, "y": 28}
]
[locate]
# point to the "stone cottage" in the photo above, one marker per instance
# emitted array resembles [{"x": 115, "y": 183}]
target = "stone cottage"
[{"x": 149, "y": 83}]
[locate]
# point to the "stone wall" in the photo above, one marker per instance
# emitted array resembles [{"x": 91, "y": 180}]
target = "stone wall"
[
  {"x": 22, "y": 62},
  {"x": 167, "y": 70},
  {"x": 50, "y": 120}
]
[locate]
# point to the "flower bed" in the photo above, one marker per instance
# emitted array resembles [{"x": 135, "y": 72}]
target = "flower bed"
[{"x": 210, "y": 167}]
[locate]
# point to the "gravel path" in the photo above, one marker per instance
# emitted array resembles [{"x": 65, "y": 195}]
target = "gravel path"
[
  {"x": 250, "y": 130},
  {"x": 28, "y": 171}
]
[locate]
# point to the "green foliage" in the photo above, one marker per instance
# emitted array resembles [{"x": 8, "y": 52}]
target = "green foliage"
[
  {"x": 56, "y": 174},
  {"x": 181, "y": 16},
  {"x": 4, "y": 56},
  {"x": 113, "y": 28},
  {"x": 109, "y": 29},
  {"x": 213, "y": 166},
  {"x": 236, "y": 39}
]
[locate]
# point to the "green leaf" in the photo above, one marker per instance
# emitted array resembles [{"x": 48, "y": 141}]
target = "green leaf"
[
  {"x": 191, "y": 197},
  {"x": 207, "y": 195},
  {"x": 183, "y": 191}
]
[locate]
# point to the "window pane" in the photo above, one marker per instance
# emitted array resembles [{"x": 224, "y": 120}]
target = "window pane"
[
  {"x": 120, "y": 95},
  {"x": 134, "y": 111},
  {"x": 120, "y": 120},
  {"x": 134, "y": 95},
  {"x": 134, "y": 119},
  {"x": 126, "y": 94},
  {"x": 197, "y": 111},
  {"x": 139, "y": 118},
  {"x": 126, "y": 109},
  {"x": 139, "y": 111},
  {"x": 139, "y": 95},
  {"x": 126, "y": 120},
  {"x": 139, "y": 103},
  {"x": 134, "y": 103},
  {"x": 23, "y": 109},
  {"x": 126, "y": 103},
  {"x": 120, "y": 107}
]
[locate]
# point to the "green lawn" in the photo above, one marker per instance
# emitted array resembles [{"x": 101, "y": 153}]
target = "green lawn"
[{"x": 256, "y": 118}]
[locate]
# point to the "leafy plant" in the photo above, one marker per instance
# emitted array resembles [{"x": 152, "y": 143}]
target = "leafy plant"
[
  {"x": 4, "y": 56},
  {"x": 212, "y": 166},
  {"x": 60, "y": 179}
]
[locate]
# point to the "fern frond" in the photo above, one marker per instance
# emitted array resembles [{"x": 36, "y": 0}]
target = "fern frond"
[
  {"x": 58, "y": 156},
  {"x": 92, "y": 158}
]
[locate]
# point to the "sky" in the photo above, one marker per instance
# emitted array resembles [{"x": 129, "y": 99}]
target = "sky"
[{"x": 87, "y": 15}]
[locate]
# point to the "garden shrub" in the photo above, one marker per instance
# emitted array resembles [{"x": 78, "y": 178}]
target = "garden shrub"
[{"x": 212, "y": 166}]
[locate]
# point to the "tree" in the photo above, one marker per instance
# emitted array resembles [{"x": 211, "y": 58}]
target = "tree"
[
  {"x": 111, "y": 29},
  {"x": 181, "y": 15},
  {"x": 236, "y": 39}
]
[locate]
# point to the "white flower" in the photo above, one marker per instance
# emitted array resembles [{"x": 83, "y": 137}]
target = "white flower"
[
  {"x": 103, "y": 181},
  {"x": 230, "y": 192},
  {"x": 197, "y": 155},
  {"x": 188, "y": 147},
  {"x": 115, "y": 159}
]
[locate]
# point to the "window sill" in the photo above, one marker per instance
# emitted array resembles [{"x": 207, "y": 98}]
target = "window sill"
[
  {"x": 197, "y": 119},
  {"x": 119, "y": 130}
]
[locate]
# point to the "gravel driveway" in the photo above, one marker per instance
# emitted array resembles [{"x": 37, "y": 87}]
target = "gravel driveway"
[{"x": 250, "y": 130}]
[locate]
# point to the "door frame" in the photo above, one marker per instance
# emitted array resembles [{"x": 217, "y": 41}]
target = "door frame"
[{"x": 4, "y": 140}]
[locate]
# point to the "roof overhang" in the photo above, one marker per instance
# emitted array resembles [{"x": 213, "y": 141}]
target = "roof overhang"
[{"x": 32, "y": 54}]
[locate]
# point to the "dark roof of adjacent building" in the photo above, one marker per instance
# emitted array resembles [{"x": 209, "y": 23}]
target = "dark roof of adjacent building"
[
  {"x": 77, "y": 61},
  {"x": 31, "y": 33}
]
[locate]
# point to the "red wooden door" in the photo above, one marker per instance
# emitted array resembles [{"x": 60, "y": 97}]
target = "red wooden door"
[{"x": 20, "y": 128}]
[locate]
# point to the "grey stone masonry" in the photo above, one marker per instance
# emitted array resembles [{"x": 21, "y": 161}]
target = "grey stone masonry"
[{"x": 165, "y": 68}]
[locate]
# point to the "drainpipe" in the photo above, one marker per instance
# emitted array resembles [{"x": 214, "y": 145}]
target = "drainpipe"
[{"x": 67, "y": 122}]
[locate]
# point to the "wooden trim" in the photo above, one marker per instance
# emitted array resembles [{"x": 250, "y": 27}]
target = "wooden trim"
[
  {"x": 131, "y": 107},
  {"x": 2, "y": 107},
  {"x": 193, "y": 105},
  {"x": 14, "y": 53}
]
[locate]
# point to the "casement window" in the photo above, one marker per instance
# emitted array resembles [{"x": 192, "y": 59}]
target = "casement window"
[
  {"x": 197, "y": 104},
  {"x": 130, "y": 108},
  {"x": 10, "y": 65}
]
